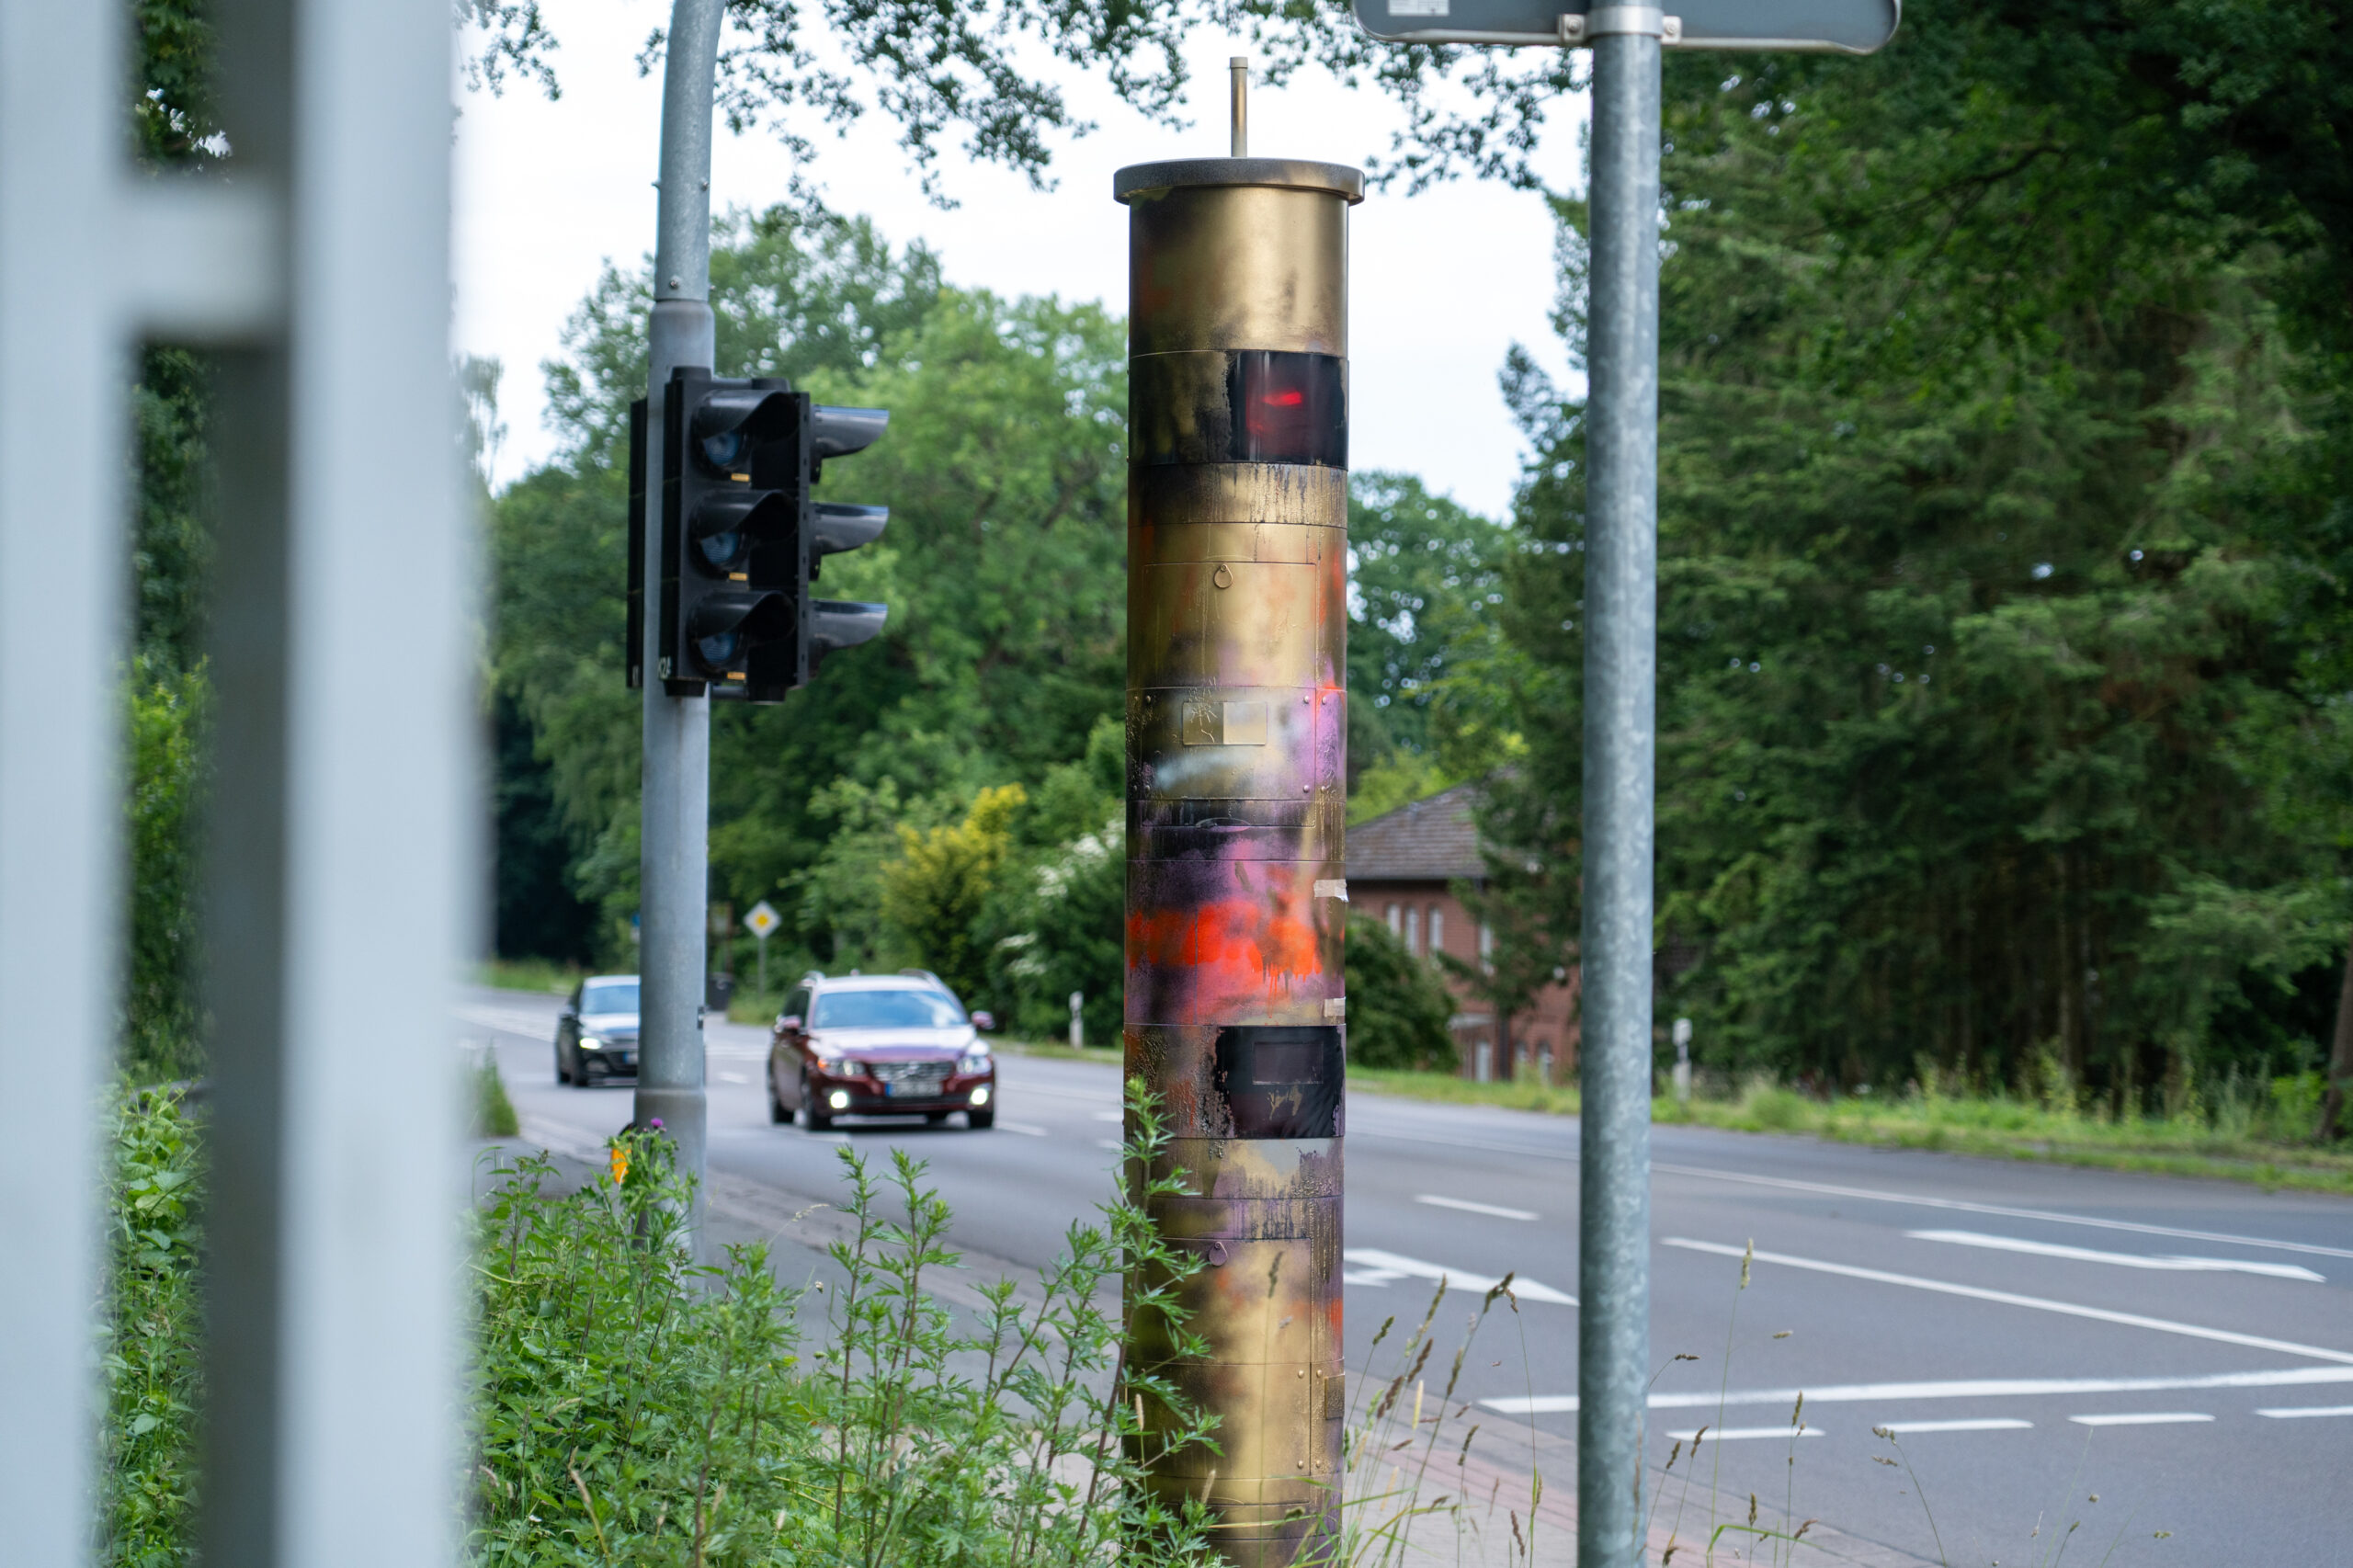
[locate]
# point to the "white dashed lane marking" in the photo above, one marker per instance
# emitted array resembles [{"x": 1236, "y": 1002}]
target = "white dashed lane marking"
[
  {"x": 1023, "y": 1128},
  {"x": 1739, "y": 1434},
  {"x": 1494, "y": 1210},
  {"x": 1985, "y": 1423},
  {"x": 2298, "y": 1412},
  {"x": 2141, "y": 1418}
]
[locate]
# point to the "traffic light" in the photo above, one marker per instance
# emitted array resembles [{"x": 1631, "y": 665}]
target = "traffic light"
[{"x": 743, "y": 535}]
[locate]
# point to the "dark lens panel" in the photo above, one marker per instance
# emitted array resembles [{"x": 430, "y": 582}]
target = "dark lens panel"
[
  {"x": 1288, "y": 408},
  {"x": 1280, "y": 1081}
]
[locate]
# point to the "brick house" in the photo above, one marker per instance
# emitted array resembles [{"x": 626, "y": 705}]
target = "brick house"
[{"x": 1403, "y": 868}]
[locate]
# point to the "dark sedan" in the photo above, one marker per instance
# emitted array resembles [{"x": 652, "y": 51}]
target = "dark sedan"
[{"x": 596, "y": 1037}]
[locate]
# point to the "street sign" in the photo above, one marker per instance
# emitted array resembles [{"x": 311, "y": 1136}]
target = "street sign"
[
  {"x": 1833, "y": 27},
  {"x": 762, "y": 920}
]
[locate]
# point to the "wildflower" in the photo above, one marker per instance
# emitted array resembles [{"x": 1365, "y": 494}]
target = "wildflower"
[{"x": 620, "y": 1163}]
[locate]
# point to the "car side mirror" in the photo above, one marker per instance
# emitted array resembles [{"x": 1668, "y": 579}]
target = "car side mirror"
[
  {"x": 984, "y": 1021},
  {"x": 788, "y": 1022}
]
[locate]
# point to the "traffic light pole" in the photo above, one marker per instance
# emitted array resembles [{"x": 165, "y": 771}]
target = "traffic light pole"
[
  {"x": 1620, "y": 743},
  {"x": 674, "y": 863}
]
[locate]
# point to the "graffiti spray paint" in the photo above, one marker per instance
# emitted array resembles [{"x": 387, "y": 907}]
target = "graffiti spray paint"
[{"x": 1236, "y": 787}]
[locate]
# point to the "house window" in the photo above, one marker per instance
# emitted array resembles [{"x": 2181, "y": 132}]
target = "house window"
[
  {"x": 1544, "y": 1060},
  {"x": 1393, "y": 917},
  {"x": 1486, "y": 1060},
  {"x": 1486, "y": 947},
  {"x": 1413, "y": 931},
  {"x": 1438, "y": 930}
]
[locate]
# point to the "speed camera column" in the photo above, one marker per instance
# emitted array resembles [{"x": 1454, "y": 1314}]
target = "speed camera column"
[{"x": 1236, "y": 791}]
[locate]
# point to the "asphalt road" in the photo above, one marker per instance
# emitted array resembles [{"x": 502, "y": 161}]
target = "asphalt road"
[{"x": 2037, "y": 1336}]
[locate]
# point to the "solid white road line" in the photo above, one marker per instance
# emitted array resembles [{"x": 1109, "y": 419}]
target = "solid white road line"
[
  {"x": 2011, "y": 1299},
  {"x": 1374, "y": 1267},
  {"x": 1735, "y": 1434},
  {"x": 1986, "y": 1424},
  {"x": 1959, "y": 1206},
  {"x": 1500, "y": 1212},
  {"x": 2122, "y": 1259},
  {"x": 505, "y": 1021},
  {"x": 2141, "y": 1418},
  {"x": 1023, "y": 1128},
  {"x": 1969, "y": 1388},
  {"x": 2298, "y": 1412}
]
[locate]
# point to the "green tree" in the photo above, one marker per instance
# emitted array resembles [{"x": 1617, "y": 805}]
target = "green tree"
[
  {"x": 1397, "y": 1008},
  {"x": 1979, "y": 467},
  {"x": 935, "y": 889}
]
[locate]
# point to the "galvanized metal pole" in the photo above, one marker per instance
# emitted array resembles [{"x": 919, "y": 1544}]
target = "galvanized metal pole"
[
  {"x": 1621, "y": 664},
  {"x": 674, "y": 867}
]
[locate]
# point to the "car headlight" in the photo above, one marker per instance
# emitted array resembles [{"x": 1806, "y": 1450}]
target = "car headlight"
[
  {"x": 973, "y": 1062},
  {"x": 592, "y": 1042}
]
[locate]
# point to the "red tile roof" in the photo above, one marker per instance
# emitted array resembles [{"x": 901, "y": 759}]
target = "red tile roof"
[{"x": 1433, "y": 840}]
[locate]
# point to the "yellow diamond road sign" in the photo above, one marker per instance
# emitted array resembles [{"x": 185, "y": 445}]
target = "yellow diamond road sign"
[{"x": 762, "y": 919}]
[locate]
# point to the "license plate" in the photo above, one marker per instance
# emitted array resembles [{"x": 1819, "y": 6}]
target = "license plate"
[
  {"x": 910, "y": 1089},
  {"x": 629, "y": 1057}
]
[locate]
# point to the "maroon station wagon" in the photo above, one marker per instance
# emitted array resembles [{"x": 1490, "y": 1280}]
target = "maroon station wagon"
[{"x": 879, "y": 1045}]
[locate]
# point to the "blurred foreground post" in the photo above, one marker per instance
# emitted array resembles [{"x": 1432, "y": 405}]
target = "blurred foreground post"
[{"x": 315, "y": 260}]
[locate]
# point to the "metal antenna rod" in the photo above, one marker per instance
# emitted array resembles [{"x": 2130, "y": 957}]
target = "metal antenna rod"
[{"x": 1240, "y": 66}]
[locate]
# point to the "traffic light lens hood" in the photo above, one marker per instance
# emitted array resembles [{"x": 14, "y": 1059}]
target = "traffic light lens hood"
[
  {"x": 726, "y": 526},
  {"x": 729, "y": 419},
  {"x": 843, "y": 623},
  {"x": 838, "y": 432},
  {"x": 838, "y": 526},
  {"x": 723, "y": 628}
]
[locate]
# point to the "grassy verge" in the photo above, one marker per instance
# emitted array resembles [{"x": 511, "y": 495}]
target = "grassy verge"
[
  {"x": 494, "y": 1112},
  {"x": 528, "y": 974},
  {"x": 2230, "y": 1140},
  {"x": 2238, "y": 1139},
  {"x": 2233, "y": 1141},
  {"x": 1053, "y": 1051}
]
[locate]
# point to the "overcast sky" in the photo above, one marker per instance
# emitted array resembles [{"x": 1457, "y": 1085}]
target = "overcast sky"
[{"x": 1443, "y": 283}]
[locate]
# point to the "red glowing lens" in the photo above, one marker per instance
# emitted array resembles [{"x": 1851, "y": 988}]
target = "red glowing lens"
[{"x": 1288, "y": 407}]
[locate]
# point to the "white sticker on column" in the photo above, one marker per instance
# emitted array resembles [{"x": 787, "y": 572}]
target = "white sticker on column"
[
  {"x": 1333, "y": 887},
  {"x": 1335, "y": 1007}
]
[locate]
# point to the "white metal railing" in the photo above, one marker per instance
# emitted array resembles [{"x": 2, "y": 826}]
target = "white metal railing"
[{"x": 318, "y": 267}]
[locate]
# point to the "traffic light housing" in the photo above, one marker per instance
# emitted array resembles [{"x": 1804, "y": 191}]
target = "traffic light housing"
[{"x": 743, "y": 535}]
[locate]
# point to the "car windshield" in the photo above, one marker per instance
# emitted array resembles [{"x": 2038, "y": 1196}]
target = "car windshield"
[
  {"x": 908, "y": 1010},
  {"x": 610, "y": 996}
]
